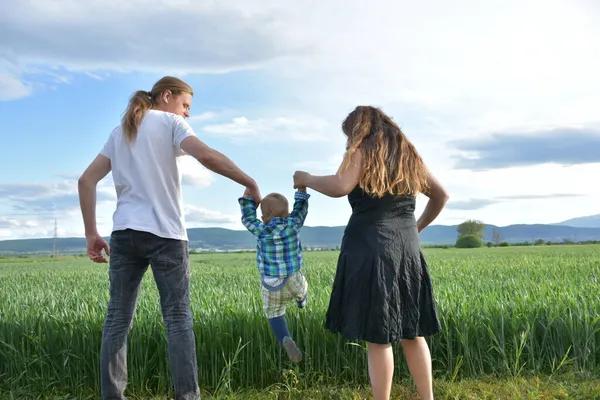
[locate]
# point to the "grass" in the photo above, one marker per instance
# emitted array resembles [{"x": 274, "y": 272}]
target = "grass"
[
  {"x": 468, "y": 389},
  {"x": 515, "y": 314}
]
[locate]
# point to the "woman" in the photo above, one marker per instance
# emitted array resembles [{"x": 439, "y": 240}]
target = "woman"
[
  {"x": 382, "y": 292},
  {"x": 149, "y": 226}
]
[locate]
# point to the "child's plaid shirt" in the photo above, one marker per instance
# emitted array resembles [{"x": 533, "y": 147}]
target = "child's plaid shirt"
[{"x": 278, "y": 248}]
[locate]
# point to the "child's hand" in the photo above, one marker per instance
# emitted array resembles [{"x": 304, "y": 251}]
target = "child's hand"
[
  {"x": 301, "y": 189},
  {"x": 301, "y": 179},
  {"x": 253, "y": 192},
  {"x": 253, "y": 195}
]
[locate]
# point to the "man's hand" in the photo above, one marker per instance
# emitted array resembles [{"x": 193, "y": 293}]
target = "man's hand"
[
  {"x": 95, "y": 245},
  {"x": 254, "y": 192},
  {"x": 301, "y": 179}
]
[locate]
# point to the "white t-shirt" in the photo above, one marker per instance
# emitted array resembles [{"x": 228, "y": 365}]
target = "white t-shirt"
[{"x": 147, "y": 177}]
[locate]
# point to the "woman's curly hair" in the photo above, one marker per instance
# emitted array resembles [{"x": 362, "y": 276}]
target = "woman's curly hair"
[{"x": 390, "y": 162}]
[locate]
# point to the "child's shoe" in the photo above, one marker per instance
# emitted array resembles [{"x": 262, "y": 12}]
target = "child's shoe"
[
  {"x": 293, "y": 352},
  {"x": 302, "y": 303}
]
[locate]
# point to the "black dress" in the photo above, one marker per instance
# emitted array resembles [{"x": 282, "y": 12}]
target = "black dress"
[{"x": 382, "y": 291}]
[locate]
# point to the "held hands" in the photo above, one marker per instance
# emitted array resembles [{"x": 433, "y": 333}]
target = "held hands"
[
  {"x": 254, "y": 192},
  {"x": 301, "y": 180}
]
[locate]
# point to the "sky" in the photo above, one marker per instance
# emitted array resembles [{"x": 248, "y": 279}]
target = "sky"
[{"x": 501, "y": 99}]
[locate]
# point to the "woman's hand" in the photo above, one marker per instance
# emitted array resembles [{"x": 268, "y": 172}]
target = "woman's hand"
[{"x": 301, "y": 179}]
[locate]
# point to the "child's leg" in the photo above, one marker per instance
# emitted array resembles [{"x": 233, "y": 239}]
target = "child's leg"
[
  {"x": 274, "y": 309},
  {"x": 299, "y": 287},
  {"x": 274, "y": 304},
  {"x": 279, "y": 328}
]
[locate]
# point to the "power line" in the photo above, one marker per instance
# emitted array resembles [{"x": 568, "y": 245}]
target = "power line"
[{"x": 55, "y": 237}]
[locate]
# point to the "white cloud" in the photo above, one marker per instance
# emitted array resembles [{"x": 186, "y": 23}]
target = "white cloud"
[
  {"x": 456, "y": 60},
  {"x": 16, "y": 222},
  {"x": 450, "y": 69},
  {"x": 38, "y": 225},
  {"x": 30, "y": 209},
  {"x": 48, "y": 198},
  {"x": 199, "y": 216},
  {"x": 456, "y": 67},
  {"x": 526, "y": 193},
  {"x": 275, "y": 129},
  {"x": 205, "y": 116},
  {"x": 443, "y": 70},
  {"x": 101, "y": 35},
  {"x": 12, "y": 88},
  {"x": 193, "y": 173},
  {"x": 325, "y": 166},
  {"x": 27, "y": 226}
]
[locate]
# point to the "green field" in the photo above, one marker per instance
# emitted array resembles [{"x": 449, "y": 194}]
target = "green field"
[{"x": 505, "y": 312}]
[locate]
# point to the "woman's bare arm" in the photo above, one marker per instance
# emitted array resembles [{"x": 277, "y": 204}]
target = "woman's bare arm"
[
  {"x": 340, "y": 184},
  {"x": 438, "y": 196}
]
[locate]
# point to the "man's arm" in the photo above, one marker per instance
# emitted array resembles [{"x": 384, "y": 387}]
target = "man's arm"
[
  {"x": 87, "y": 183},
  {"x": 220, "y": 164},
  {"x": 300, "y": 209},
  {"x": 249, "y": 219}
]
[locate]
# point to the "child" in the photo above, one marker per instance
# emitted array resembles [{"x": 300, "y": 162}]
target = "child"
[{"x": 279, "y": 258}]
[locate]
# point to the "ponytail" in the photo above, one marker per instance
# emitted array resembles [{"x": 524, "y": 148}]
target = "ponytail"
[
  {"x": 142, "y": 101},
  {"x": 139, "y": 103}
]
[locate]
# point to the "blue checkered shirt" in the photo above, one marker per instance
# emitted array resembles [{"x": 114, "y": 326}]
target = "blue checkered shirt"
[{"x": 278, "y": 248}]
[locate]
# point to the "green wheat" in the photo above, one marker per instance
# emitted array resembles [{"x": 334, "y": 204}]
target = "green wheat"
[{"x": 504, "y": 312}]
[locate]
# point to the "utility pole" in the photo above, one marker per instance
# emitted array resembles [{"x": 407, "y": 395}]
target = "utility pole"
[{"x": 55, "y": 237}]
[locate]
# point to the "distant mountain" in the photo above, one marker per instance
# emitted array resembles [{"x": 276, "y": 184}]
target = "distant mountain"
[
  {"x": 591, "y": 221},
  {"x": 324, "y": 237}
]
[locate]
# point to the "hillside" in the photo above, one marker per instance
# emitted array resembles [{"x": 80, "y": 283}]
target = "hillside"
[
  {"x": 590, "y": 221},
  {"x": 323, "y": 237}
]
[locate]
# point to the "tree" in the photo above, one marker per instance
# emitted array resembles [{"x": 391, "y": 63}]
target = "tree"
[
  {"x": 471, "y": 227},
  {"x": 496, "y": 236},
  {"x": 469, "y": 242}
]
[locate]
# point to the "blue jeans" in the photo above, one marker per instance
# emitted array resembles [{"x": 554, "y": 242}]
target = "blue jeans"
[{"x": 130, "y": 254}]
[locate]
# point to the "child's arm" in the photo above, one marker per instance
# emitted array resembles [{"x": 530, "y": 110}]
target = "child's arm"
[
  {"x": 249, "y": 220},
  {"x": 300, "y": 208}
]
